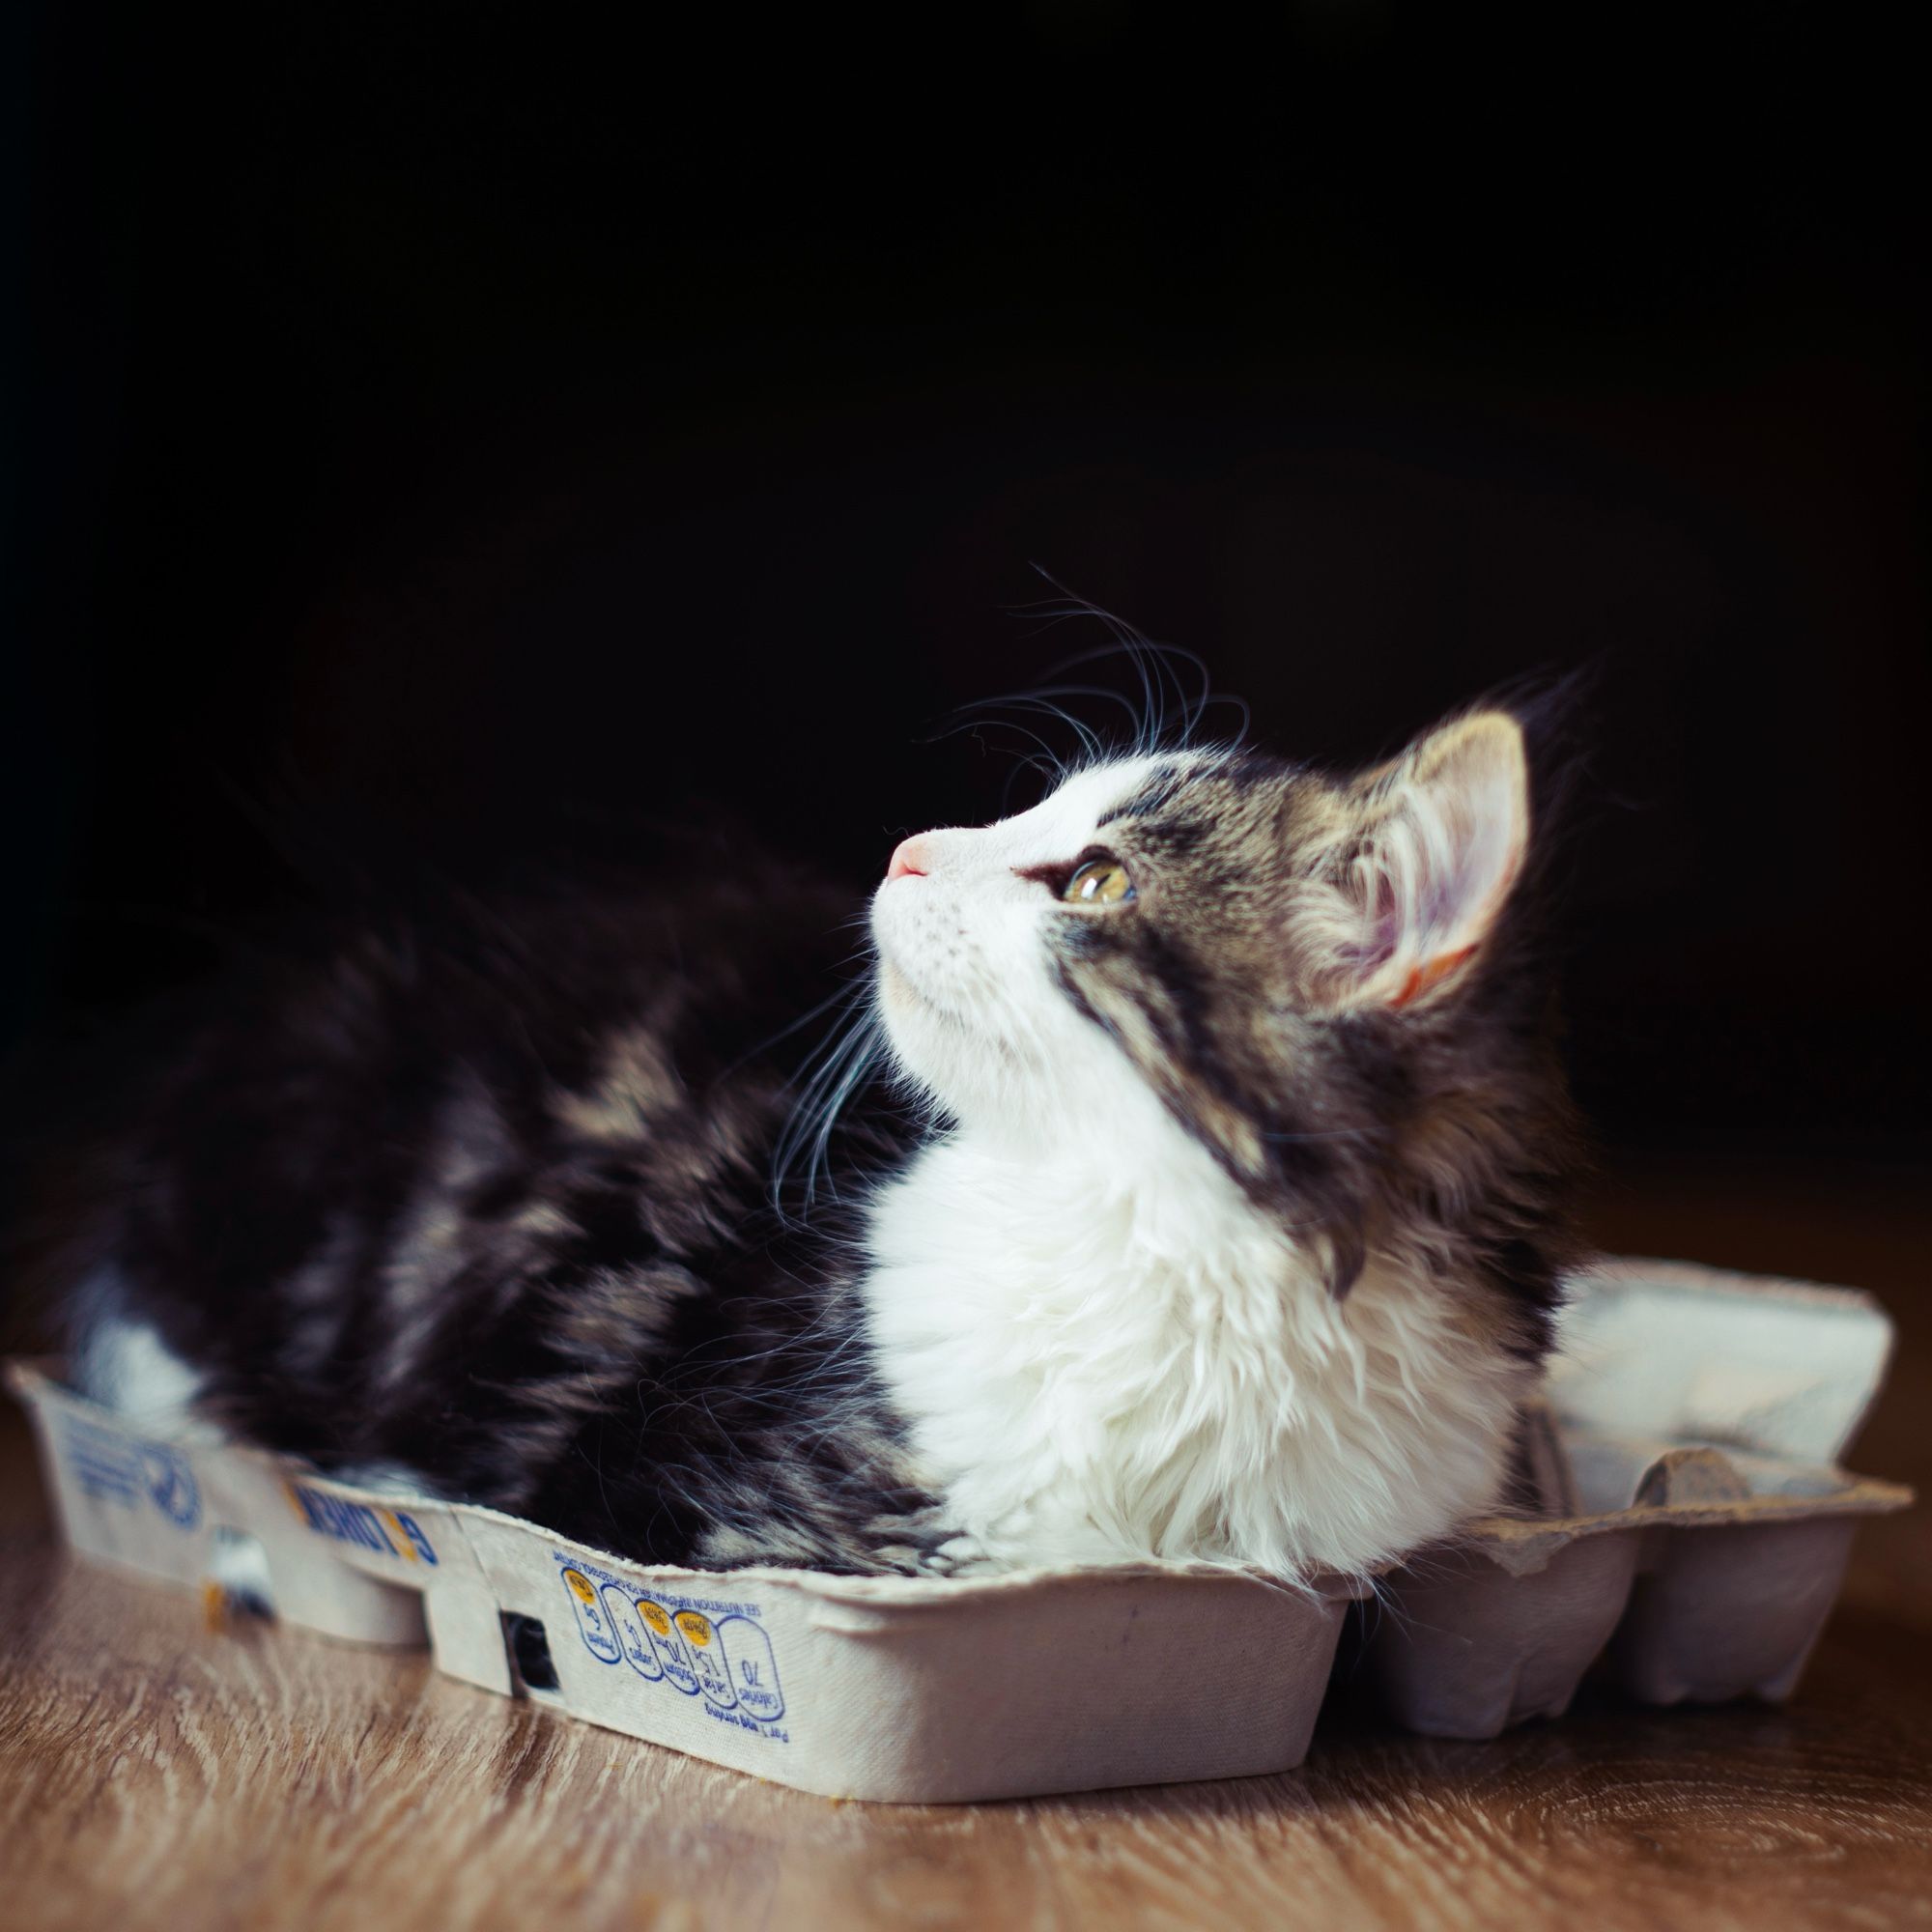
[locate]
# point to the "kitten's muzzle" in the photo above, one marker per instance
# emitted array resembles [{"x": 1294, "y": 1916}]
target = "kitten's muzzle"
[{"x": 912, "y": 858}]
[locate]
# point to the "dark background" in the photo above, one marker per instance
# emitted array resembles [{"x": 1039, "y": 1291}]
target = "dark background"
[{"x": 444, "y": 424}]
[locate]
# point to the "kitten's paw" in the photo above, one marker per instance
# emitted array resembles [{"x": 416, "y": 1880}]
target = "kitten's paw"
[{"x": 961, "y": 1557}]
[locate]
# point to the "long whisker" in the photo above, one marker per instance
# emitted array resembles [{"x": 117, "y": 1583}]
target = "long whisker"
[
  {"x": 1090, "y": 737},
  {"x": 1241, "y": 704},
  {"x": 1158, "y": 666},
  {"x": 1057, "y": 765},
  {"x": 841, "y": 996},
  {"x": 1140, "y": 651},
  {"x": 1041, "y": 702},
  {"x": 1168, "y": 717},
  {"x": 833, "y": 1073},
  {"x": 1026, "y": 764},
  {"x": 1146, "y": 660}
]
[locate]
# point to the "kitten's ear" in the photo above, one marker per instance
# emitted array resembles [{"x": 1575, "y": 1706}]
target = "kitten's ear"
[{"x": 1443, "y": 835}]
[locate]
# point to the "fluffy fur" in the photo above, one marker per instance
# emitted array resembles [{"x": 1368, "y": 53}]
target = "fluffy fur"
[{"x": 1231, "y": 1230}]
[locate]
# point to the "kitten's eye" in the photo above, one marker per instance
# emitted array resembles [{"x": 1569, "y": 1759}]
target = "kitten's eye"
[{"x": 1098, "y": 882}]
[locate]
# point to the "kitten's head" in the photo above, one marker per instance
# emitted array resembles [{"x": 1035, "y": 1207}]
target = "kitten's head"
[{"x": 1320, "y": 981}]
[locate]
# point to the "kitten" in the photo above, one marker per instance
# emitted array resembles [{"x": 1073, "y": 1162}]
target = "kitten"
[{"x": 1225, "y": 1222}]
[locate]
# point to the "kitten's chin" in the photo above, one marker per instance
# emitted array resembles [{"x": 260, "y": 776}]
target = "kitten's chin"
[
  {"x": 904, "y": 1002},
  {"x": 896, "y": 990},
  {"x": 923, "y": 1038},
  {"x": 934, "y": 1048},
  {"x": 904, "y": 1010},
  {"x": 908, "y": 1015}
]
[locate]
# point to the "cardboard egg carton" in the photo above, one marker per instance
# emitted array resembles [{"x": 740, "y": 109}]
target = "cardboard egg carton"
[{"x": 1683, "y": 1516}]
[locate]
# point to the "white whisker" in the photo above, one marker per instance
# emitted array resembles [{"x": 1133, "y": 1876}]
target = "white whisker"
[{"x": 832, "y": 1075}]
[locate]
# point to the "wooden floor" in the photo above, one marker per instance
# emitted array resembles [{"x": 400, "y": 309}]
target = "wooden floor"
[{"x": 156, "y": 1772}]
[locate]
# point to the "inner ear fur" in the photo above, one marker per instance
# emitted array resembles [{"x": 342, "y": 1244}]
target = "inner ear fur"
[{"x": 1440, "y": 840}]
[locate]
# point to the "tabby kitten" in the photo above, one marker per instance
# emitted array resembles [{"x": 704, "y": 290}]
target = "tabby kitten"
[{"x": 1211, "y": 1208}]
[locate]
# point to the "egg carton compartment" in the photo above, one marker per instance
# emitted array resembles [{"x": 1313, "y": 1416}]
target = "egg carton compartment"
[
  {"x": 1694, "y": 1572},
  {"x": 1696, "y": 1568},
  {"x": 1683, "y": 1522}
]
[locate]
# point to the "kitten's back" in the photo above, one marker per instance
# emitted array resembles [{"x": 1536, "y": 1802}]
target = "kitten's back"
[{"x": 483, "y": 1197}]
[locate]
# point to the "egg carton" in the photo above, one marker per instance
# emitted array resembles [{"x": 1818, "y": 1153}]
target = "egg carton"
[{"x": 1682, "y": 1514}]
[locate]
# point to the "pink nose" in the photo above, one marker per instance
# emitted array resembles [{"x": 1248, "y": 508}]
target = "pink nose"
[{"x": 909, "y": 855}]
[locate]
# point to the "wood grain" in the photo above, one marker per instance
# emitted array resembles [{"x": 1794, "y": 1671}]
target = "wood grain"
[{"x": 157, "y": 1772}]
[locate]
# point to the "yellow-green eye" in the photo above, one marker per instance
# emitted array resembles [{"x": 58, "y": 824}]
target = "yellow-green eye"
[{"x": 1098, "y": 882}]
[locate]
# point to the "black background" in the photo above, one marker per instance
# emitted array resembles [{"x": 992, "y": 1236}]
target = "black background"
[{"x": 443, "y": 423}]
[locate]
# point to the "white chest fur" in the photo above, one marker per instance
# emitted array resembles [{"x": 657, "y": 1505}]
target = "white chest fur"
[{"x": 1100, "y": 1363}]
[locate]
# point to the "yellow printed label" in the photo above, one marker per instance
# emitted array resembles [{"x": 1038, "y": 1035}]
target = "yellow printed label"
[
  {"x": 697, "y": 1628},
  {"x": 654, "y": 1615},
  {"x": 404, "y": 1540},
  {"x": 580, "y": 1586}
]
